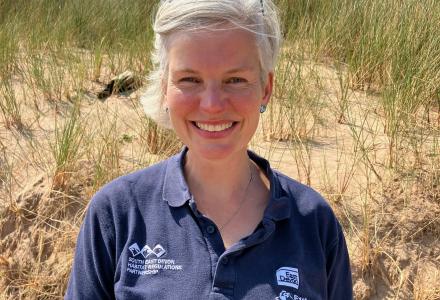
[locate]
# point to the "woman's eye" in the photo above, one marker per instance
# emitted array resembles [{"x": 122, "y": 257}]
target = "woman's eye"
[
  {"x": 236, "y": 80},
  {"x": 190, "y": 80}
]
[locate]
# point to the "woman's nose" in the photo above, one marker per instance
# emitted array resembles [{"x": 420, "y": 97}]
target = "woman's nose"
[{"x": 212, "y": 99}]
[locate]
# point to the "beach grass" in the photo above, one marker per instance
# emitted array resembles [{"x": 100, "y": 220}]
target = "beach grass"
[{"x": 354, "y": 114}]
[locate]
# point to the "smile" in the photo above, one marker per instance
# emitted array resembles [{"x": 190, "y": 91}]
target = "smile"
[{"x": 214, "y": 127}]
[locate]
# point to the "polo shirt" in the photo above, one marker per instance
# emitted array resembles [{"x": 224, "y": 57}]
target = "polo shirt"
[{"x": 143, "y": 238}]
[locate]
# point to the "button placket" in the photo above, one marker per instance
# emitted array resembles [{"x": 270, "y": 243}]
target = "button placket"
[{"x": 224, "y": 278}]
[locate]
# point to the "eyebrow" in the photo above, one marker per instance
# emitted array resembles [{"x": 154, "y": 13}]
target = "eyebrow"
[
  {"x": 235, "y": 70},
  {"x": 241, "y": 69},
  {"x": 185, "y": 70}
]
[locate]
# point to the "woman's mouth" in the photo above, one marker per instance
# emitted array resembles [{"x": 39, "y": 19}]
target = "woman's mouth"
[{"x": 214, "y": 127}]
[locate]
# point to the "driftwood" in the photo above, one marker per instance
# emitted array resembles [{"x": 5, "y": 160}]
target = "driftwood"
[{"x": 124, "y": 82}]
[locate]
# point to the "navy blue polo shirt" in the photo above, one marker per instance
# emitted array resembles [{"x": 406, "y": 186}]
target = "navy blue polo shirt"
[{"x": 143, "y": 238}]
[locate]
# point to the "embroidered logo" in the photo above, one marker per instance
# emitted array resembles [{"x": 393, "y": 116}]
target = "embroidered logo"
[
  {"x": 147, "y": 261},
  {"x": 146, "y": 251},
  {"x": 288, "y": 296},
  {"x": 284, "y": 296},
  {"x": 288, "y": 277}
]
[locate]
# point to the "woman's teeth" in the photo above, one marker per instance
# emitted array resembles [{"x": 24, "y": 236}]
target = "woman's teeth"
[{"x": 213, "y": 128}]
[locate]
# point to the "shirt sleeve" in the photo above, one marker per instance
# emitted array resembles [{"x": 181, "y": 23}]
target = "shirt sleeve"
[
  {"x": 92, "y": 274},
  {"x": 339, "y": 282}
]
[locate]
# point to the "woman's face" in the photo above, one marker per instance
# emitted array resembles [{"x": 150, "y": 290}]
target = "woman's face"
[{"x": 214, "y": 91}]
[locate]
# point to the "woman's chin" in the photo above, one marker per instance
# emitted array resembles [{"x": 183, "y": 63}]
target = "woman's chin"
[{"x": 213, "y": 152}]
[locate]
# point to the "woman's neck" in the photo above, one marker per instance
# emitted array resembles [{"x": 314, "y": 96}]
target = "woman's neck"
[
  {"x": 233, "y": 193},
  {"x": 218, "y": 180}
]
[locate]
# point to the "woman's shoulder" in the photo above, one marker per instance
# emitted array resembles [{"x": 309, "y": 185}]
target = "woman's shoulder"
[
  {"x": 305, "y": 201},
  {"x": 302, "y": 193},
  {"x": 311, "y": 211},
  {"x": 127, "y": 189}
]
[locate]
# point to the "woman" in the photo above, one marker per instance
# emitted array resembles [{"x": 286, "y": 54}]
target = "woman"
[{"x": 215, "y": 221}]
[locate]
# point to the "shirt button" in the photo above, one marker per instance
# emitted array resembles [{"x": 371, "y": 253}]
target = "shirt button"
[
  {"x": 225, "y": 260},
  {"x": 210, "y": 229}
]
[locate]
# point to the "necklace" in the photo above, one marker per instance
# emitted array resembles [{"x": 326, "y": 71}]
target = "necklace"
[{"x": 243, "y": 200}]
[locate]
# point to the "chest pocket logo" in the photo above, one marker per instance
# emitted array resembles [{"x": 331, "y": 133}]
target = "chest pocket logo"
[
  {"x": 288, "y": 276},
  {"x": 146, "y": 251}
]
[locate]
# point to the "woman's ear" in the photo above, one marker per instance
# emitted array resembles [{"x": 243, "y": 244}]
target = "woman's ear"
[{"x": 267, "y": 91}]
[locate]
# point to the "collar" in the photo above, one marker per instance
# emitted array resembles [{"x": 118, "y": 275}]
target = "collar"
[
  {"x": 176, "y": 191},
  {"x": 175, "y": 188}
]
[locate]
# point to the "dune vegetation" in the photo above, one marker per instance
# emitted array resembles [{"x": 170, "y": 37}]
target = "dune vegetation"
[{"x": 355, "y": 114}]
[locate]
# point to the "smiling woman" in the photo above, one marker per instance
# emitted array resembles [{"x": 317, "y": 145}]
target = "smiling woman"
[
  {"x": 215, "y": 221},
  {"x": 213, "y": 91}
]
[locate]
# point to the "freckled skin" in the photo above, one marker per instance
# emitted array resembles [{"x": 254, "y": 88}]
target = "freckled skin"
[{"x": 214, "y": 78}]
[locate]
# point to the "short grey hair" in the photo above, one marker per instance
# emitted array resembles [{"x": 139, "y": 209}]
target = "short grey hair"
[{"x": 257, "y": 16}]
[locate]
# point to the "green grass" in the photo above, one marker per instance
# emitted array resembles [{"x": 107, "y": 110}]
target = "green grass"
[
  {"x": 66, "y": 148},
  {"x": 390, "y": 47}
]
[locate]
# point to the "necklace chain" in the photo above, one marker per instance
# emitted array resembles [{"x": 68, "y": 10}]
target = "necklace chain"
[{"x": 243, "y": 200}]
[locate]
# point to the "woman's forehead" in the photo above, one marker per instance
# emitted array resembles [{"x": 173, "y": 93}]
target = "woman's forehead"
[
  {"x": 226, "y": 31},
  {"x": 234, "y": 49}
]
